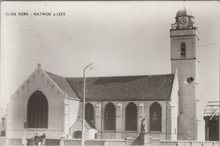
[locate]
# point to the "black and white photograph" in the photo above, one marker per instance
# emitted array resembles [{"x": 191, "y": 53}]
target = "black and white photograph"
[{"x": 110, "y": 73}]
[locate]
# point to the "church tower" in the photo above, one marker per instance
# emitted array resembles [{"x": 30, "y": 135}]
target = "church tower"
[{"x": 183, "y": 39}]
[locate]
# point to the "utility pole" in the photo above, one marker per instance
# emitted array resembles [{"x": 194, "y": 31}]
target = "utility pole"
[{"x": 83, "y": 106}]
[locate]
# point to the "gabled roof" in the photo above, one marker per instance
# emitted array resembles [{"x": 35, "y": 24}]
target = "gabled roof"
[
  {"x": 119, "y": 88},
  {"x": 212, "y": 109},
  {"x": 80, "y": 121},
  {"x": 63, "y": 84}
]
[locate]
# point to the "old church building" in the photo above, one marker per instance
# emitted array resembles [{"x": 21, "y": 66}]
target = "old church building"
[{"x": 115, "y": 106}]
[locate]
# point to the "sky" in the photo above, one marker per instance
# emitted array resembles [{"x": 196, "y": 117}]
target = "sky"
[{"x": 119, "y": 38}]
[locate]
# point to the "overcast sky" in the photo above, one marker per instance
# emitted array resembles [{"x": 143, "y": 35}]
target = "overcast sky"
[{"x": 119, "y": 38}]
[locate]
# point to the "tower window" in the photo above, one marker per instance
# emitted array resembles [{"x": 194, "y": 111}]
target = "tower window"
[{"x": 183, "y": 50}]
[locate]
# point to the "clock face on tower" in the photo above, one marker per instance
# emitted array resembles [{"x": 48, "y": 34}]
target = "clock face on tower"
[{"x": 182, "y": 20}]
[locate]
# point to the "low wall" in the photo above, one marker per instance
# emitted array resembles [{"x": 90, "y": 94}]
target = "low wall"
[
  {"x": 29, "y": 133},
  {"x": 18, "y": 142},
  {"x": 3, "y": 141},
  {"x": 109, "y": 142},
  {"x": 182, "y": 143},
  {"x": 10, "y": 142},
  {"x": 95, "y": 142}
]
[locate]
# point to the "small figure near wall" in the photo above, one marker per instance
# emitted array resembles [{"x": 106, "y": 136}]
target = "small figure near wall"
[{"x": 142, "y": 126}]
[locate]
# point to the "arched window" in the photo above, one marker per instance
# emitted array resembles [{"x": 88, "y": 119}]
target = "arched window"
[
  {"x": 131, "y": 117},
  {"x": 89, "y": 114},
  {"x": 77, "y": 134},
  {"x": 109, "y": 117},
  {"x": 183, "y": 50},
  {"x": 155, "y": 117},
  {"x": 37, "y": 111}
]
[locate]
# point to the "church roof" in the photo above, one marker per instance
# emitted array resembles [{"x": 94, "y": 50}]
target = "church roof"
[{"x": 118, "y": 88}]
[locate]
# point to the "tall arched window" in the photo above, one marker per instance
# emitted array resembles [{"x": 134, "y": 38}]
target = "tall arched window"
[
  {"x": 183, "y": 50},
  {"x": 131, "y": 117},
  {"x": 155, "y": 117},
  {"x": 89, "y": 114},
  {"x": 109, "y": 117},
  {"x": 37, "y": 111}
]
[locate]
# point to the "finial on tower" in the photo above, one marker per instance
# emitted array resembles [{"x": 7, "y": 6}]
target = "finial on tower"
[{"x": 38, "y": 65}]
